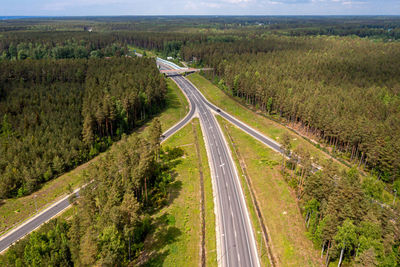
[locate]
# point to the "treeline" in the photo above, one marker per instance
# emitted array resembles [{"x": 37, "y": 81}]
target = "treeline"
[
  {"x": 119, "y": 96},
  {"x": 345, "y": 215},
  {"x": 56, "y": 114},
  {"x": 61, "y": 50},
  {"x": 344, "y": 91},
  {"x": 384, "y": 32},
  {"x": 386, "y": 27},
  {"x": 111, "y": 217},
  {"x": 39, "y": 45}
]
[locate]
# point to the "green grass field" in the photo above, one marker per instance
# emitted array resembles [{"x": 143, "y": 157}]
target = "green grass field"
[
  {"x": 279, "y": 208},
  {"x": 176, "y": 239},
  {"x": 14, "y": 211},
  {"x": 266, "y": 126}
]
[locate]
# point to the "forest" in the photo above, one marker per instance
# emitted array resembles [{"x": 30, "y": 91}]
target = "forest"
[
  {"x": 66, "y": 94},
  {"x": 344, "y": 212},
  {"x": 57, "y": 114},
  {"x": 344, "y": 91},
  {"x": 111, "y": 217}
]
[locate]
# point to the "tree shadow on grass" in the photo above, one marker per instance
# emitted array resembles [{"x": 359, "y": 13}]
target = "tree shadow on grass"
[
  {"x": 163, "y": 233},
  {"x": 174, "y": 191}
]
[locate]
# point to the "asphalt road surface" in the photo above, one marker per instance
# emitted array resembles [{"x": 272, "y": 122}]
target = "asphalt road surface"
[
  {"x": 33, "y": 223},
  {"x": 236, "y": 243},
  {"x": 25, "y": 228}
]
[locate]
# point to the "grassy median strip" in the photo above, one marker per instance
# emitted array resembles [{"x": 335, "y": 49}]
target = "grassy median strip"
[
  {"x": 176, "y": 240},
  {"x": 277, "y": 201},
  {"x": 16, "y": 210},
  {"x": 266, "y": 126}
]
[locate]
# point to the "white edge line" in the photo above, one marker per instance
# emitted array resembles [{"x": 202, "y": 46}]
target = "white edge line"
[
  {"x": 253, "y": 241},
  {"x": 36, "y": 216},
  {"x": 215, "y": 196},
  {"x": 187, "y": 115},
  {"x": 237, "y": 120}
]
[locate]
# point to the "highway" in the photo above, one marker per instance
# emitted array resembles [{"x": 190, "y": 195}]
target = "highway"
[
  {"x": 235, "y": 238},
  {"x": 236, "y": 241}
]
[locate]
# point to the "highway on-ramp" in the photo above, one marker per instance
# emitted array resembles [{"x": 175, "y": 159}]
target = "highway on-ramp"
[{"x": 36, "y": 221}]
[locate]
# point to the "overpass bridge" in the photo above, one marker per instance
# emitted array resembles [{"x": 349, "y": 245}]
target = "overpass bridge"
[
  {"x": 182, "y": 70},
  {"x": 174, "y": 69}
]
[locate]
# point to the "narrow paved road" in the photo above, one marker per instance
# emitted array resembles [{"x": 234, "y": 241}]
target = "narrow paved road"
[
  {"x": 14, "y": 235},
  {"x": 30, "y": 225}
]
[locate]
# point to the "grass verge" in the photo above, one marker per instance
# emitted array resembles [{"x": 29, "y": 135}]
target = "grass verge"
[
  {"x": 279, "y": 209},
  {"x": 16, "y": 210},
  {"x": 266, "y": 126},
  {"x": 176, "y": 238},
  {"x": 261, "y": 248}
]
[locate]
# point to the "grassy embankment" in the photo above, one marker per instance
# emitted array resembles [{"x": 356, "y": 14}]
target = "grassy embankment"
[
  {"x": 279, "y": 209},
  {"x": 176, "y": 239},
  {"x": 266, "y": 126},
  {"x": 16, "y": 210}
]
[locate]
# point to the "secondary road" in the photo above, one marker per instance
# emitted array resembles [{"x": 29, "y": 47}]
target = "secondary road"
[
  {"x": 14, "y": 235},
  {"x": 43, "y": 216}
]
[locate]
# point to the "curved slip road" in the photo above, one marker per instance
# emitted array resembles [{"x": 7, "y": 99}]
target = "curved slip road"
[{"x": 43, "y": 216}]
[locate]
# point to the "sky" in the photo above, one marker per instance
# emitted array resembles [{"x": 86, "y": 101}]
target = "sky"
[{"x": 197, "y": 7}]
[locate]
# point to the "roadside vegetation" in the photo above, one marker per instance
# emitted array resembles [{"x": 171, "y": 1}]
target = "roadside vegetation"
[
  {"x": 58, "y": 114},
  {"x": 113, "y": 217},
  {"x": 297, "y": 180},
  {"x": 175, "y": 240},
  {"x": 325, "y": 87},
  {"x": 165, "y": 231},
  {"x": 261, "y": 123},
  {"x": 344, "y": 214},
  {"x": 288, "y": 242},
  {"x": 70, "y": 88},
  {"x": 16, "y": 210}
]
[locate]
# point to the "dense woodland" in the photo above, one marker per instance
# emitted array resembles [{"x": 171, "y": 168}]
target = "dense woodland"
[
  {"x": 382, "y": 27},
  {"x": 345, "y": 213},
  {"x": 67, "y": 94},
  {"x": 345, "y": 91},
  {"x": 56, "y": 114},
  {"x": 111, "y": 217}
]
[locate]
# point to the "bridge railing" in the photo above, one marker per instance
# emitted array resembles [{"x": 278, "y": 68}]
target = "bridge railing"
[{"x": 173, "y": 65}]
